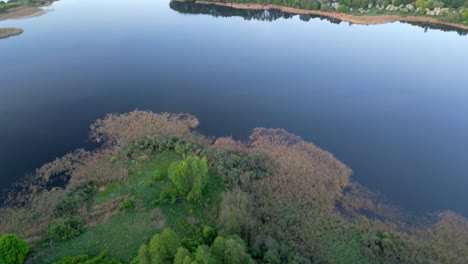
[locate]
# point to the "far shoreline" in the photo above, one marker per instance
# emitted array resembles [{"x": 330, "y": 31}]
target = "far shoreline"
[
  {"x": 353, "y": 19},
  {"x": 22, "y": 12},
  {"x": 10, "y": 32}
]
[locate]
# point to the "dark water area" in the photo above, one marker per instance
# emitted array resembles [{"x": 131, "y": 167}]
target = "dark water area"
[{"x": 390, "y": 100}]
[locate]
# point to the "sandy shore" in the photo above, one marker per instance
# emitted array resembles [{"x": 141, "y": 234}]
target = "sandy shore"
[
  {"x": 9, "y": 32},
  {"x": 22, "y": 12},
  {"x": 361, "y": 20}
]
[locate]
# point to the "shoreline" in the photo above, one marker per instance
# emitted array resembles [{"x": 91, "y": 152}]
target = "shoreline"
[
  {"x": 22, "y": 12},
  {"x": 10, "y": 32},
  {"x": 353, "y": 19}
]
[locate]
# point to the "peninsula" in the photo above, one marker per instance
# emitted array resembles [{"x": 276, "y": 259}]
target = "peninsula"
[{"x": 156, "y": 191}]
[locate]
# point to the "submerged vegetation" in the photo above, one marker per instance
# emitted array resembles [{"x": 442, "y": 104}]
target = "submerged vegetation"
[{"x": 155, "y": 191}]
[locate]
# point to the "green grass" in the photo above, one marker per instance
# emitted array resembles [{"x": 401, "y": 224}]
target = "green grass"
[{"x": 122, "y": 234}]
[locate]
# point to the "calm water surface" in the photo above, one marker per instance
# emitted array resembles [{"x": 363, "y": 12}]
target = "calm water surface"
[{"x": 391, "y": 101}]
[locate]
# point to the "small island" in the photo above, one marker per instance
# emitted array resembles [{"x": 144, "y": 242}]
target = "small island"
[
  {"x": 156, "y": 191},
  {"x": 9, "y": 32}
]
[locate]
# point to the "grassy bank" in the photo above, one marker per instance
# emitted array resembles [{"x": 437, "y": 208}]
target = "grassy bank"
[{"x": 158, "y": 192}]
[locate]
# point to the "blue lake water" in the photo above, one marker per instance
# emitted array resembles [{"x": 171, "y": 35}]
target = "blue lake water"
[{"x": 390, "y": 101}]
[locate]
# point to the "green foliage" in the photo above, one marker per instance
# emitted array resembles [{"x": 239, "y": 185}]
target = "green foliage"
[
  {"x": 236, "y": 251},
  {"x": 209, "y": 234},
  {"x": 163, "y": 247},
  {"x": 203, "y": 255},
  {"x": 75, "y": 198},
  {"x": 159, "y": 143},
  {"x": 65, "y": 228},
  {"x": 464, "y": 17},
  {"x": 183, "y": 256},
  {"x": 422, "y": 4},
  {"x": 127, "y": 204},
  {"x": 236, "y": 168},
  {"x": 85, "y": 259},
  {"x": 190, "y": 177},
  {"x": 234, "y": 217},
  {"x": 191, "y": 239},
  {"x": 12, "y": 249}
]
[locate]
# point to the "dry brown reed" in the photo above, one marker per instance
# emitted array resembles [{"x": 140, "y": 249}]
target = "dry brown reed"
[{"x": 122, "y": 128}]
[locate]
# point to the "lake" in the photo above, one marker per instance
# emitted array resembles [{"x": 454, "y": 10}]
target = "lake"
[{"x": 390, "y": 101}]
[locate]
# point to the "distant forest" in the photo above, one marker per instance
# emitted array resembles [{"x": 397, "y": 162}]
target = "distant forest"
[
  {"x": 275, "y": 14},
  {"x": 455, "y": 11}
]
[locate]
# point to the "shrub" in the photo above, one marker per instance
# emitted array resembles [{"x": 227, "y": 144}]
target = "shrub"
[
  {"x": 237, "y": 168},
  {"x": 127, "y": 204},
  {"x": 183, "y": 256},
  {"x": 75, "y": 198},
  {"x": 65, "y": 228},
  {"x": 209, "y": 234},
  {"x": 191, "y": 239},
  {"x": 234, "y": 216},
  {"x": 12, "y": 249},
  {"x": 464, "y": 17},
  {"x": 160, "y": 143},
  {"x": 190, "y": 177}
]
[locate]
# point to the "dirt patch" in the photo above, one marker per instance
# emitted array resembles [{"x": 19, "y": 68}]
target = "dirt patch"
[
  {"x": 22, "y": 12},
  {"x": 9, "y": 32},
  {"x": 354, "y": 19}
]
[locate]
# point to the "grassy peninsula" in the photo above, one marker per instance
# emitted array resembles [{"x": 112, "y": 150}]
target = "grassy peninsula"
[
  {"x": 156, "y": 191},
  {"x": 9, "y": 32}
]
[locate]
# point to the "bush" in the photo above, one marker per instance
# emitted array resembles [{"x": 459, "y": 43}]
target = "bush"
[
  {"x": 237, "y": 169},
  {"x": 160, "y": 143},
  {"x": 191, "y": 239},
  {"x": 464, "y": 17},
  {"x": 66, "y": 228},
  {"x": 209, "y": 234},
  {"x": 126, "y": 204},
  {"x": 190, "y": 177},
  {"x": 75, "y": 198},
  {"x": 12, "y": 249}
]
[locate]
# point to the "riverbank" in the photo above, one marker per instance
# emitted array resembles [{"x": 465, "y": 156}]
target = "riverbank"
[
  {"x": 10, "y": 32},
  {"x": 354, "y": 19},
  {"x": 22, "y": 12}
]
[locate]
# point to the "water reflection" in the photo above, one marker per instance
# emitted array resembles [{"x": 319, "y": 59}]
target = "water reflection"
[{"x": 275, "y": 14}]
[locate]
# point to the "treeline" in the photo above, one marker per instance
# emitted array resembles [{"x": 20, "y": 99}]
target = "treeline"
[
  {"x": 458, "y": 8},
  {"x": 275, "y": 14},
  {"x": 6, "y": 6},
  {"x": 317, "y": 4}
]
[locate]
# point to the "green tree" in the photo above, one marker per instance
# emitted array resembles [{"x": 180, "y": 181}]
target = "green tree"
[
  {"x": 464, "y": 17},
  {"x": 190, "y": 177},
  {"x": 218, "y": 248},
  {"x": 143, "y": 255},
  {"x": 183, "y": 256},
  {"x": 422, "y": 4},
  {"x": 163, "y": 247},
  {"x": 236, "y": 252},
  {"x": 65, "y": 228},
  {"x": 203, "y": 255},
  {"x": 209, "y": 234},
  {"x": 12, "y": 249}
]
